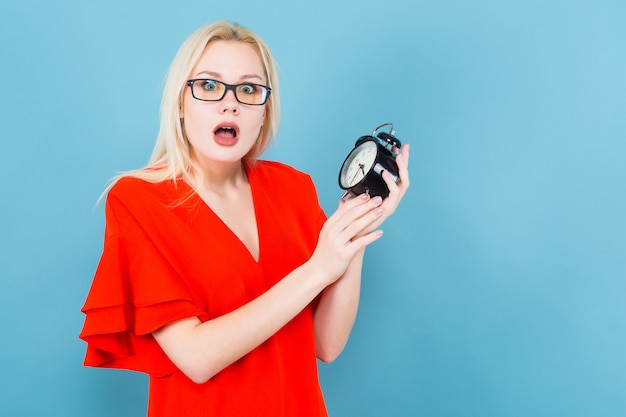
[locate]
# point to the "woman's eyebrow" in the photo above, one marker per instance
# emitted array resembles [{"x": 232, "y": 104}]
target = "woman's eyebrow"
[{"x": 218, "y": 75}]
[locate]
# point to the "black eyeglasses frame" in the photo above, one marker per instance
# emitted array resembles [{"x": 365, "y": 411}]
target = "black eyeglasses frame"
[{"x": 228, "y": 87}]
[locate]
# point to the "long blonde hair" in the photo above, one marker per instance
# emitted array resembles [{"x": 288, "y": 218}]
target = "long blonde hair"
[{"x": 171, "y": 157}]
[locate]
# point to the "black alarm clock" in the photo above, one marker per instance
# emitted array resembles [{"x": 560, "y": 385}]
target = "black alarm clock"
[{"x": 361, "y": 172}]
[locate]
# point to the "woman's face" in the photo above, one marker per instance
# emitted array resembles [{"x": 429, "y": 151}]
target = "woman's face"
[{"x": 223, "y": 131}]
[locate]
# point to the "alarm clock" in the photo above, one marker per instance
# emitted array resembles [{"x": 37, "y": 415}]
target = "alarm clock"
[{"x": 362, "y": 169}]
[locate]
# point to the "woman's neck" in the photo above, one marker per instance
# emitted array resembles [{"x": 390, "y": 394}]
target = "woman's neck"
[{"x": 219, "y": 178}]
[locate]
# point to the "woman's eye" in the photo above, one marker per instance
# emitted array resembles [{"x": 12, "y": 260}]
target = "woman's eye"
[
  {"x": 247, "y": 89},
  {"x": 209, "y": 85}
]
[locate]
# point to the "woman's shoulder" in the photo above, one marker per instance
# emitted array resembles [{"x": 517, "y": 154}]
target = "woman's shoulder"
[
  {"x": 128, "y": 184},
  {"x": 280, "y": 172},
  {"x": 287, "y": 181},
  {"x": 130, "y": 188}
]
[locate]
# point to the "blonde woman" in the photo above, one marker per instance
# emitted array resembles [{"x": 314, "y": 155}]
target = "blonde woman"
[{"x": 221, "y": 277}]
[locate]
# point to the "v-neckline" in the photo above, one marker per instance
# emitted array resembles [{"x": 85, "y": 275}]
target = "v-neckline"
[{"x": 254, "y": 196}]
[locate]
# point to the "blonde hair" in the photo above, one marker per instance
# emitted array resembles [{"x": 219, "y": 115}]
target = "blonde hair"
[{"x": 171, "y": 158}]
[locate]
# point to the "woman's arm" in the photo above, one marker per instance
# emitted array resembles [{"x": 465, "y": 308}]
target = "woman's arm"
[
  {"x": 201, "y": 350},
  {"x": 336, "y": 312},
  {"x": 337, "y": 309}
]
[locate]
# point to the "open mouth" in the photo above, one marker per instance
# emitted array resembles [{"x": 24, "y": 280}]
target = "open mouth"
[{"x": 226, "y": 132}]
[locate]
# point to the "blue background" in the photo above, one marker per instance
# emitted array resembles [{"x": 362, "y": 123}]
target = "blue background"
[{"x": 499, "y": 286}]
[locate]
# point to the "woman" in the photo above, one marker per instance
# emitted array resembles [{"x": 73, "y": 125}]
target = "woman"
[{"x": 221, "y": 276}]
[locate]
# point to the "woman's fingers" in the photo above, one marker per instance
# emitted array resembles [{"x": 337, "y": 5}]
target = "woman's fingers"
[
  {"x": 403, "y": 183},
  {"x": 396, "y": 190},
  {"x": 343, "y": 234},
  {"x": 403, "y": 167},
  {"x": 356, "y": 214}
]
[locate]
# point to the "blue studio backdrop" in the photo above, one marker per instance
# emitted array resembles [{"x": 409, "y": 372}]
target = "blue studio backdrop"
[{"x": 499, "y": 286}]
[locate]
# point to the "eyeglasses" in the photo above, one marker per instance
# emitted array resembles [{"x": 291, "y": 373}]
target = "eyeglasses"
[{"x": 213, "y": 90}]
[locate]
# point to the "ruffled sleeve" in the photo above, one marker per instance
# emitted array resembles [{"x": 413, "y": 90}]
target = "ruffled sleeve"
[{"x": 135, "y": 291}]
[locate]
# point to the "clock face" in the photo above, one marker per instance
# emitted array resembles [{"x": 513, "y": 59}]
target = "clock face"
[{"x": 358, "y": 163}]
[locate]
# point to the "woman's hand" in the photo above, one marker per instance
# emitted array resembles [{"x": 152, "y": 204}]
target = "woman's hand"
[
  {"x": 349, "y": 230},
  {"x": 396, "y": 190},
  {"x": 354, "y": 225}
]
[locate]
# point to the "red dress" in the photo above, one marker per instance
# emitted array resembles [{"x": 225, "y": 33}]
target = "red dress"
[{"x": 164, "y": 261}]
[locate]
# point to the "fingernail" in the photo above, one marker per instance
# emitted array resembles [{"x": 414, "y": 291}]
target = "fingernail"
[
  {"x": 365, "y": 196},
  {"x": 378, "y": 211},
  {"x": 377, "y": 200}
]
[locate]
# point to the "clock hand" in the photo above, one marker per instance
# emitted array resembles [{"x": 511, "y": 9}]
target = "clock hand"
[{"x": 361, "y": 167}]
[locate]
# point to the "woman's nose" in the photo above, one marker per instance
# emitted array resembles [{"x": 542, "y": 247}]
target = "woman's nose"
[{"x": 229, "y": 103}]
